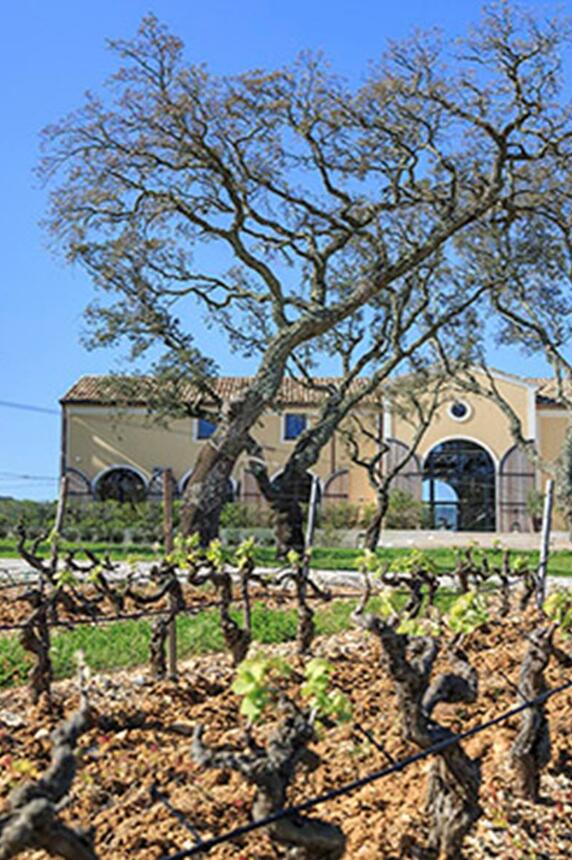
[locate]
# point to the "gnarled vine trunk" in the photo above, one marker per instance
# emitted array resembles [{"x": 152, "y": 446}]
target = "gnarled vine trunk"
[
  {"x": 32, "y": 821},
  {"x": 271, "y": 769},
  {"x": 531, "y": 750},
  {"x": 454, "y": 778}
]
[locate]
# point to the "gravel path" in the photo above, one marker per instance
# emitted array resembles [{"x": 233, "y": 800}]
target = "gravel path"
[{"x": 15, "y": 571}]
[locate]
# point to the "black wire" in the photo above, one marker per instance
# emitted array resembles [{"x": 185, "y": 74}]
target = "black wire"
[
  {"x": 28, "y": 407},
  {"x": 362, "y": 781},
  {"x": 180, "y": 816},
  {"x": 109, "y": 619}
]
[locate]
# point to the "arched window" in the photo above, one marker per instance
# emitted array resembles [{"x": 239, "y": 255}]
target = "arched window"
[
  {"x": 408, "y": 480},
  {"x": 459, "y": 487},
  {"x": 445, "y": 503},
  {"x": 516, "y": 480},
  {"x": 78, "y": 484},
  {"x": 336, "y": 488},
  {"x": 121, "y": 483}
]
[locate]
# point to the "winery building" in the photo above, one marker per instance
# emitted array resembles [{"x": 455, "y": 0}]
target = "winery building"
[{"x": 468, "y": 471}]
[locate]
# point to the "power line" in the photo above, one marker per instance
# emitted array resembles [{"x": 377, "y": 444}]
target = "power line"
[
  {"x": 305, "y": 805},
  {"x": 4, "y": 476},
  {"x": 28, "y": 407}
]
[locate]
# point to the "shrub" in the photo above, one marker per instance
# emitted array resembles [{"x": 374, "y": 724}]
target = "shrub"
[
  {"x": 342, "y": 515},
  {"x": 535, "y": 508},
  {"x": 404, "y": 511},
  {"x": 238, "y": 515}
]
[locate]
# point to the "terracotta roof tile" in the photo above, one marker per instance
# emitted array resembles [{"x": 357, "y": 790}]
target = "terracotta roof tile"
[
  {"x": 547, "y": 390},
  {"x": 100, "y": 389}
]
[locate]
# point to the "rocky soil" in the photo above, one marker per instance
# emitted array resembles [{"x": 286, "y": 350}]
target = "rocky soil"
[{"x": 142, "y": 737}]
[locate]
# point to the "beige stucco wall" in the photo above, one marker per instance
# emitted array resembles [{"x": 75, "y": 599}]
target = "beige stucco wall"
[
  {"x": 98, "y": 438},
  {"x": 552, "y": 424},
  {"x": 486, "y": 423}
]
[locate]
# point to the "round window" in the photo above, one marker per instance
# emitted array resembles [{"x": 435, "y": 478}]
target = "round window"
[{"x": 459, "y": 410}]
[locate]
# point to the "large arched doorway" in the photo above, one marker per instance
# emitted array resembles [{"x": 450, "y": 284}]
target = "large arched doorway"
[
  {"x": 120, "y": 483},
  {"x": 459, "y": 487},
  {"x": 298, "y": 489}
]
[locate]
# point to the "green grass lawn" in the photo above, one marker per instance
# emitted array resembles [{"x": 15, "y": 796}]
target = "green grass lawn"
[
  {"x": 326, "y": 558},
  {"x": 125, "y": 644}
]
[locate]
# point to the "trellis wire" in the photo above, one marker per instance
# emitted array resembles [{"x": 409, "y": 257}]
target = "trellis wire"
[
  {"x": 283, "y": 596},
  {"x": 334, "y": 793},
  {"x": 110, "y": 619}
]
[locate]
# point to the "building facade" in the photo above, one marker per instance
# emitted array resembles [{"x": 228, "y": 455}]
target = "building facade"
[{"x": 467, "y": 470}]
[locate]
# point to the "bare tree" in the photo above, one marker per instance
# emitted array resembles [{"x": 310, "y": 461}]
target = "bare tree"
[
  {"x": 417, "y": 402},
  {"x": 283, "y": 203}
]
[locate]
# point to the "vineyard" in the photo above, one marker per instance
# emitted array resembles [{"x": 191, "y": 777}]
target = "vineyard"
[{"x": 425, "y": 722}]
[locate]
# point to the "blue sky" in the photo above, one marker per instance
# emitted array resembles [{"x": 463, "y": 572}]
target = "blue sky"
[{"x": 53, "y": 52}]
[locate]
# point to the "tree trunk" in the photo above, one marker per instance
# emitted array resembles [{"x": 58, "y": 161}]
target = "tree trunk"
[
  {"x": 373, "y": 531},
  {"x": 206, "y": 491},
  {"x": 206, "y": 488},
  {"x": 283, "y": 497},
  {"x": 286, "y": 503}
]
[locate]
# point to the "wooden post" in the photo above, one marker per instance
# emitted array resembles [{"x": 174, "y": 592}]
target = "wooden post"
[
  {"x": 312, "y": 508},
  {"x": 60, "y": 514},
  {"x": 542, "y": 572},
  {"x": 168, "y": 544}
]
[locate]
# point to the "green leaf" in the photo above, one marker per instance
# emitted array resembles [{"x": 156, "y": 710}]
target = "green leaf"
[
  {"x": 468, "y": 613},
  {"x": 245, "y": 552},
  {"x": 293, "y": 558},
  {"x": 65, "y": 577},
  {"x": 368, "y": 562}
]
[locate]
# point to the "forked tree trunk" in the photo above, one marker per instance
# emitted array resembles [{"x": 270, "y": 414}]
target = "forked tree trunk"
[
  {"x": 206, "y": 488},
  {"x": 373, "y": 530},
  {"x": 206, "y": 492}
]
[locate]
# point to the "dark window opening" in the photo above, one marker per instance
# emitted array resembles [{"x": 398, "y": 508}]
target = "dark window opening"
[
  {"x": 122, "y": 485},
  {"x": 294, "y": 425},
  {"x": 205, "y": 428},
  {"x": 459, "y": 410},
  {"x": 459, "y": 487}
]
